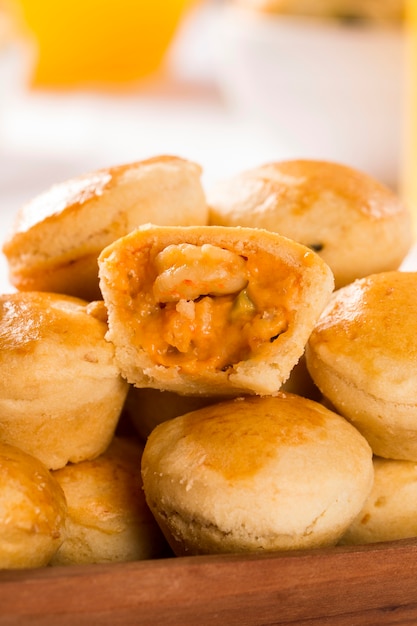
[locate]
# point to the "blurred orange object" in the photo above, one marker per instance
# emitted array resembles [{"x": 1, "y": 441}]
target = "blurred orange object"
[{"x": 79, "y": 42}]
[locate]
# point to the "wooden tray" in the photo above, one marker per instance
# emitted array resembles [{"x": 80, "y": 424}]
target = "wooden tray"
[{"x": 342, "y": 586}]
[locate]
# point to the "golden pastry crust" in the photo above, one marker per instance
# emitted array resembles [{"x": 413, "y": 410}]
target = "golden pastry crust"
[
  {"x": 210, "y": 310},
  {"x": 356, "y": 224},
  {"x": 33, "y": 511},
  {"x": 272, "y": 473},
  {"x": 362, "y": 355},
  {"x": 58, "y": 236},
  {"x": 61, "y": 393},
  {"x": 390, "y": 511},
  {"x": 108, "y": 518},
  {"x": 378, "y": 11},
  {"x": 145, "y": 408}
]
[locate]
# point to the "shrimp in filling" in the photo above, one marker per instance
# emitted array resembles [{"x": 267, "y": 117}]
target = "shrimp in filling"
[{"x": 204, "y": 304}]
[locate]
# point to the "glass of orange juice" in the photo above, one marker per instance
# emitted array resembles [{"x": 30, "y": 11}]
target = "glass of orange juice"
[{"x": 108, "y": 42}]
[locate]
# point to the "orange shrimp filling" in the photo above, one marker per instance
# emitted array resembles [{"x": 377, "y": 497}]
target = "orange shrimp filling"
[{"x": 215, "y": 329}]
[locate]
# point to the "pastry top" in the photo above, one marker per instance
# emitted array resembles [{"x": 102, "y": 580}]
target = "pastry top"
[
  {"x": 28, "y": 317},
  {"x": 386, "y": 11},
  {"x": 61, "y": 392},
  {"x": 355, "y": 223},
  {"x": 210, "y": 310},
  {"x": 65, "y": 228},
  {"x": 366, "y": 335},
  {"x": 33, "y": 510},
  {"x": 235, "y": 472},
  {"x": 106, "y": 493},
  {"x": 46, "y": 338},
  {"x": 108, "y": 518},
  {"x": 254, "y": 431},
  {"x": 71, "y": 195}
]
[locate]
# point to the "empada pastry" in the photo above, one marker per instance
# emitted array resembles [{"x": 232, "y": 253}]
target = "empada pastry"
[
  {"x": 33, "y": 510},
  {"x": 210, "y": 310},
  {"x": 61, "y": 393},
  {"x": 256, "y": 474},
  {"x": 108, "y": 519},
  {"x": 390, "y": 511},
  {"x": 355, "y": 223},
  {"x": 362, "y": 355},
  {"x": 58, "y": 236}
]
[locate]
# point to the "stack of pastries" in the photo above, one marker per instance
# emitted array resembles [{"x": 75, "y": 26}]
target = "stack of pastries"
[{"x": 191, "y": 371}]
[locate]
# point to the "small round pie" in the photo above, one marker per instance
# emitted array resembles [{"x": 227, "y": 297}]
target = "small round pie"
[
  {"x": 211, "y": 310},
  {"x": 58, "y": 236},
  {"x": 108, "y": 519},
  {"x": 272, "y": 473},
  {"x": 356, "y": 224},
  {"x": 33, "y": 511},
  {"x": 390, "y": 511},
  {"x": 61, "y": 393},
  {"x": 362, "y": 355}
]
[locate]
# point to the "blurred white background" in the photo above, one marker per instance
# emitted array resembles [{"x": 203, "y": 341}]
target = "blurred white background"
[{"x": 201, "y": 107}]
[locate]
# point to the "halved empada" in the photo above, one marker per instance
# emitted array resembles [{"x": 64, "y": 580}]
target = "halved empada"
[{"x": 210, "y": 310}]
